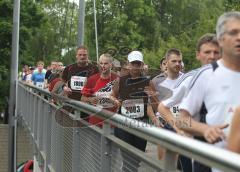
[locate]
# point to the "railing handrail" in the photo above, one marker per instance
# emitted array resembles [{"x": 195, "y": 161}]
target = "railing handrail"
[{"x": 202, "y": 152}]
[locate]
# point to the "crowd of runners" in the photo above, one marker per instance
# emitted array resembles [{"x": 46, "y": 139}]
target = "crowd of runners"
[{"x": 203, "y": 104}]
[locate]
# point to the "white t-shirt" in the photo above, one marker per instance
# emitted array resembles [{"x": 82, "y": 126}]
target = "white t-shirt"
[
  {"x": 29, "y": 77},
  {"x": 179, "y": 89},
  {"x": 170, "y": 84},
  {"x": 219, "y": 90}
]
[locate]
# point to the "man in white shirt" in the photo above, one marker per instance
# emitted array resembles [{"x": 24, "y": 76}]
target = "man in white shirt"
[
  {"x": 162, "y": 85},
  {"x": 208, "y": 51},
  {"x": 216, "y": 87}
]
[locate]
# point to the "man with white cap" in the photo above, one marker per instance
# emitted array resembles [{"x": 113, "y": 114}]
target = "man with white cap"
[{"x": 128, "y": 94}]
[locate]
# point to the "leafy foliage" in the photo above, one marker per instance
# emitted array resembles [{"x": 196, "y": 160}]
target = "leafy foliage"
[{"x": 47, "y": 27}]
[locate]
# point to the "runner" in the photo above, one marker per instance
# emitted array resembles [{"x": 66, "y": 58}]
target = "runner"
[
  {"x": 163, "y": 65},
  {"x": 163, "y": 83},
  {"x": 208, "y": 50},
  {"x": 219, "y": 95},
  {"x": 39, "y": 75},
  {"x": 128, "y": 94},
  {"x": 99, "y": 87},
  {"x": 52, "y": 69},
  {"x": 29, "y": 75},
  {"x": 75, "y": 75}
]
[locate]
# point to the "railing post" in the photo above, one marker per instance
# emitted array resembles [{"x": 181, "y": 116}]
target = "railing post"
[
  {"x": 170, "y": 161},
  {"x": 76, "y": 144},
  {"x": 40, "y": 123},
  {"x": 47, "y": 141},
  {"x": 105, "y": 148}
]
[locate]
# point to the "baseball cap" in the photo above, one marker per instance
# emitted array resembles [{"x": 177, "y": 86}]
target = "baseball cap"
[{"x": 135, "y": 56}]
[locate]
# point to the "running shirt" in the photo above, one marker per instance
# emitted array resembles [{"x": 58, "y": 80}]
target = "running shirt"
[
  {"x": 216, "y": 88},
  {"x": 28, "y": 77},
  {"x": 101, "y": 88},
  {"x": 162, "y": 92},
  {"x": 165, "y": 89},
  {"x": 48, "y": 73},
  {"x": 134, "y": 99},
  {"x": 38, "y": 79},
  {"x": 76, "y": 78},
  {"x": 179, "y": 89}
]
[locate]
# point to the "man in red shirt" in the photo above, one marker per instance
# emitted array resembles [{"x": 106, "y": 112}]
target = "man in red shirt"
[{"x": 99, "y": 87}]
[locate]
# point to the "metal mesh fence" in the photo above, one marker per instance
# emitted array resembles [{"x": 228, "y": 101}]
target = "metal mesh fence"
[
  {"x": 63, "y": 143},
  {"x": 124, "y": 161},
  {"x": 90, "y": 150},
  {"x": 68, "y": 144}
]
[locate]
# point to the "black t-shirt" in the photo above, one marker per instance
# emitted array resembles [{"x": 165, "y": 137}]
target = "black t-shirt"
[
  {"x": 75, "y": 70},
  {"x": 133, "y": 89},
  {"x": 48, "y": 73}
]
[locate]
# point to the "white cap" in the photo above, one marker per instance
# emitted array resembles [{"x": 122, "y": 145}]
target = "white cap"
[{"x": 135, "y": 56}]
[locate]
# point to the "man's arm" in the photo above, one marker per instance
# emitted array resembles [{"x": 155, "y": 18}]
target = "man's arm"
[
  {"x": 233, "y": 142},
  {"x": 168, "y": 116},
  {"x": 212, "y": 134},
  {"x": 152, "y": 116},
  {"x": 152, "y": 93},
  {"x": 91, "y": 100},
  {"x": 115, "y": 94}
]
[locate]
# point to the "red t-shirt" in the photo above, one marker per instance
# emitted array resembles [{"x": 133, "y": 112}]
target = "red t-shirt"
[
  {"x": 102, "y": 88},
  {"x": 52, "y": 83}
]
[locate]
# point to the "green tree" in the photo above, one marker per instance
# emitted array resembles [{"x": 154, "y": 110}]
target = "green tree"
[{"x": 31, "y": 18}]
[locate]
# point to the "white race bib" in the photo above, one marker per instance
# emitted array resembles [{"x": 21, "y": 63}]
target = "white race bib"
[
  {"x": 133, "y": 108},
  {"x": 40, "y": 84},
  {"x": 78, "y": 82},
  {"x": 175, "y": 111},
  {"x": 104, "y": 100}
]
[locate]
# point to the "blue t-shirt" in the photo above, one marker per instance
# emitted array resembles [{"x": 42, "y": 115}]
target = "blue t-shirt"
[{"x": 38, "y": 77}]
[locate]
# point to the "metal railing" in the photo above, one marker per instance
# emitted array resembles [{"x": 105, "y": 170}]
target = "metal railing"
[{"x": 64, "y": 142}]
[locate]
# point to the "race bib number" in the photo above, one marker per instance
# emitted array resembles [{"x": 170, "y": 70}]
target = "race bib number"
[
  {"x": 78, "y": 82},
  {"x": 175, "y": 111},
  {"x": 133, "y": 108},
  {"x": 40, "y": 84},
  {"x": 104, "y": 100}
]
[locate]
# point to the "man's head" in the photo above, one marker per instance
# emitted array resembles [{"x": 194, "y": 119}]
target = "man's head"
[
  {"x": 135, "y": 62},
  {"x": 163, "y": 65},
  {"x": 173, "y": 60},
  {"x": 60, "y": 65},
  {"x": 105, "y": 63},
  {"x": 40, "y": 65},
  {"x": 54, "y": 65},
  {"x": 82, "y": 56},
  {"x": 25, "y": 68},
  {"x": 208, "y": 49},
  {"x": 124, "y": 68},
  {"x": 228, "y": 34},
  {"x": 31, "y": 69}
]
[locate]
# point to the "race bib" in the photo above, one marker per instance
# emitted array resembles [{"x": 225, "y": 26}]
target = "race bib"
[
  {"x": 78, "y": 82},
  {"x": 40, "y": 84},
  {"x": 175, "y": 111},
  {"x": 133, "y": 108},
  {"x": 104, "y": 100}
]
